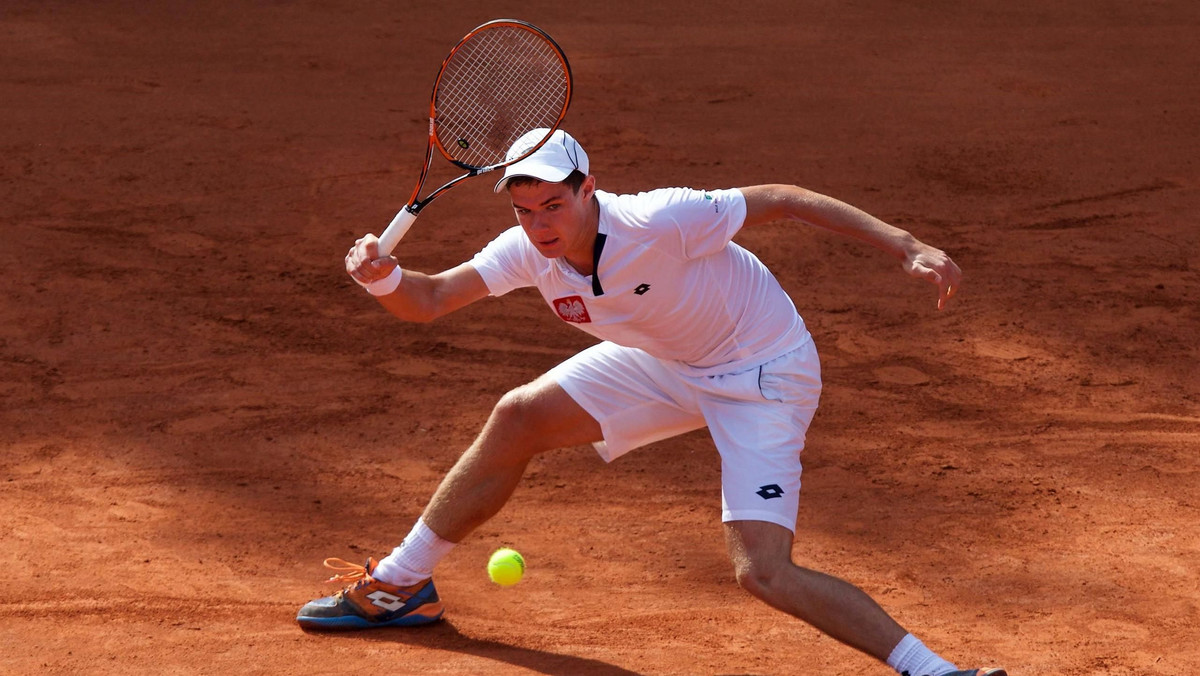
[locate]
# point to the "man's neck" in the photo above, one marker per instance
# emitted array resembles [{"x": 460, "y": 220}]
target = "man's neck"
[{"x": 581, "y": 261}]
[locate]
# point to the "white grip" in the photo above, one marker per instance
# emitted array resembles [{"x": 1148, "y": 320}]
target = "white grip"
[{"x": 395, "y": 230}]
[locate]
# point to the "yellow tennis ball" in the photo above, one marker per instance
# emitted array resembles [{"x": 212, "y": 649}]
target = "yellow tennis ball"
[{"x": 506, "y": 567}]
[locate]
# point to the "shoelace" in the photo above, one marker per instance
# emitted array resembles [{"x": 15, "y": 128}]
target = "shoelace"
[{"x": 345, "y": 571}]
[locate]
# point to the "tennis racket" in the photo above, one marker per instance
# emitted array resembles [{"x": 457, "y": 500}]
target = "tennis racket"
[{"x": 503, "y": 80}]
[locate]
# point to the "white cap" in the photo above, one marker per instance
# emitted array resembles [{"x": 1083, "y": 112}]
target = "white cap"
[{"x": 553, "y": 162}]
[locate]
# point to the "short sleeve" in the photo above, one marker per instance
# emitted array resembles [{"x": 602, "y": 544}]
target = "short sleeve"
[
  {"x": 689, "y": 223},
  {"x": 709, "y": 219},
  {"x": 504, "y": 264}
]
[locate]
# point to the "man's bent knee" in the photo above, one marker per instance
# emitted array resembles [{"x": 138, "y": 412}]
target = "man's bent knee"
[
  {"x": 540, "y": 416},
  {"x": 761, "y": 554},
  {"x": 759, "y": 576}
]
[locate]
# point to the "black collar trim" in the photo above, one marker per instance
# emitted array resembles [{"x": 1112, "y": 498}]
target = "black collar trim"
[{"x": 597, "y": 247}]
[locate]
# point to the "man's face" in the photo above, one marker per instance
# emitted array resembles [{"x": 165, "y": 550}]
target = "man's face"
[{"x": 555, "y": 218}]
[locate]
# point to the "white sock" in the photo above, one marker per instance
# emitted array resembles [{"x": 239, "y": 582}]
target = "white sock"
[
  {"x": 414, "y": 559},
  {"x": 910, "y": 657}
]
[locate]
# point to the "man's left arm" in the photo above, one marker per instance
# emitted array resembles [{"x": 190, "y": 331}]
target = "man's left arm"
[{"x": 767, "y": 203}]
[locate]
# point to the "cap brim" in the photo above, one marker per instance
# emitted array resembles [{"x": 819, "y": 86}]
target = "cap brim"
[{"x": 540, "y": 172}]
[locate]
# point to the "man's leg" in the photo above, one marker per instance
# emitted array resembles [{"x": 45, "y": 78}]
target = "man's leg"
[
  {"x": 762, "y": 559},
  {"x": 531, "y": 419},
  {"x": 398, "y": 591}
]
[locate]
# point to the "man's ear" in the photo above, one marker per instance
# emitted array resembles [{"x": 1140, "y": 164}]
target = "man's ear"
[{"x": 588, "y": 187}]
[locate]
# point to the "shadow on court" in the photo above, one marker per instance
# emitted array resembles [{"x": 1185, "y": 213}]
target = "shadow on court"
[{"x": 445, "y": 636}]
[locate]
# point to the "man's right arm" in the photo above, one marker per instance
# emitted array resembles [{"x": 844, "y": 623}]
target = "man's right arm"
[{"x": 419, "y": 297}]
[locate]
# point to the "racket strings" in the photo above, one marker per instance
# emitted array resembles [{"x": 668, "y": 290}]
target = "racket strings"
[
  {"x": 497, "y": 86},
  {"x": 501, "y": 102}
]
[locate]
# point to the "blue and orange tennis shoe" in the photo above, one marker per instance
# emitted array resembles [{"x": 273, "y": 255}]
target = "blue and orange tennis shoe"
[
  {"x": 366, "y": 603},
  {"x": 990, "y": 671}
]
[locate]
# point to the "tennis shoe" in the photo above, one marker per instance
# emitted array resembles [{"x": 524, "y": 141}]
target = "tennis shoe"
[
  {"x": 366, "y": 603},
  {"x": 991, "y": 671}
]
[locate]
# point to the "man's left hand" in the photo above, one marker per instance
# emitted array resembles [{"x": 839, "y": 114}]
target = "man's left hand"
[{"x": 937, "y": 268}]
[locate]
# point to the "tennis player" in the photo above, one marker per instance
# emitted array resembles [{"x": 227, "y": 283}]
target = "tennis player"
[{"x": 695, "y": 332}]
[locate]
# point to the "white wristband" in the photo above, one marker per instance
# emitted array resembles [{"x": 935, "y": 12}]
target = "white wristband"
[{"x": 382, "y": 287}]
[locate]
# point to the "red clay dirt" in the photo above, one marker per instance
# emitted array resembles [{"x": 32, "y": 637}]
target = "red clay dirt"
[{"x": 198, "y": 406}]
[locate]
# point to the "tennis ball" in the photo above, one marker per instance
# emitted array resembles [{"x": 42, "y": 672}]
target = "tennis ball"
[{"x": 506, "y": 567}]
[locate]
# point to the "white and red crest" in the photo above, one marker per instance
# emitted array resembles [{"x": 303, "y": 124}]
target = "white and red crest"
[{"x": 572, "y": 309}]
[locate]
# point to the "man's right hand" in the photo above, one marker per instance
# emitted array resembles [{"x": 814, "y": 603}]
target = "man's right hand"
[{"x": 363, "y": 262}]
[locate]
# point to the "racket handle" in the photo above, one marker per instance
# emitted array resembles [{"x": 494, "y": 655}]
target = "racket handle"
[{"x": 395, "y": 230}]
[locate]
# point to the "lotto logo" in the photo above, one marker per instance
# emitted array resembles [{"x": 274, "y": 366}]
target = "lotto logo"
[
  {"x": 769, "y": 491},
  {"x": 385, "y": 600},
  {"x": 572, "y": 309}
]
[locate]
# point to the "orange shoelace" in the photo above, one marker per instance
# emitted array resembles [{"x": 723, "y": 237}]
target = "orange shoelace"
[{"x": 346, "y": 572}]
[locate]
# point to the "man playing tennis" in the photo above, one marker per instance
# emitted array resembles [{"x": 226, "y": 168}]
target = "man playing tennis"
[{"x": 696, "y": 332}]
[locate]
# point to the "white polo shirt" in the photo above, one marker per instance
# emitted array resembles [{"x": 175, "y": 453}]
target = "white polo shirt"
[{"x": 670, "y": 282}]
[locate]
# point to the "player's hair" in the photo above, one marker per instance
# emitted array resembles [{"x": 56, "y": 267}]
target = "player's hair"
[{"x": 574, "y": 181}]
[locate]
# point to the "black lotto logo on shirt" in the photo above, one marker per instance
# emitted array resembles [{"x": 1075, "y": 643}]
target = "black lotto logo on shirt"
[{"x": 572, "y": 309}]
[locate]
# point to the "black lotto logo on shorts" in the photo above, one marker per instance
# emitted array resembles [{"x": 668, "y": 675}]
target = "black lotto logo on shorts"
[
  {"x": 572, "y": 309},
  {"x": 769, "y": 491}
]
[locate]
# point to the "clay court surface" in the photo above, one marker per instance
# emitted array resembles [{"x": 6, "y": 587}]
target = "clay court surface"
[{"x": 197, "y": 405}]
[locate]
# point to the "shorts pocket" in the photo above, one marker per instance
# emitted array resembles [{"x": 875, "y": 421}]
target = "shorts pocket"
[{"x": 791, "y": 380}]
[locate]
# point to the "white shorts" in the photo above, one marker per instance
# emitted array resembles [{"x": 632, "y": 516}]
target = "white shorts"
[{"x": 758, "y": 418}]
